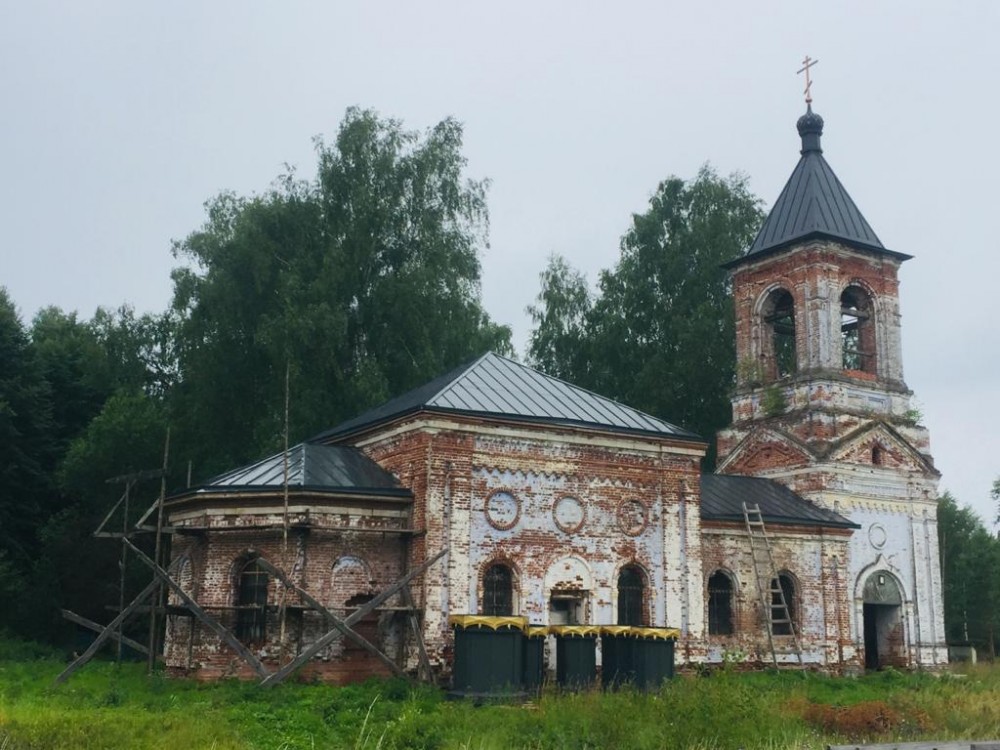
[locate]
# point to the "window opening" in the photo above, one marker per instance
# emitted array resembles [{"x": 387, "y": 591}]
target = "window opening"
[
  {"x": 779, "y": 625},
  {"x": 630, "y": 596},
  {"x": 251, "y": 602},
  {"x": 720, "y": 604},
  {"x": 877, "y": 455},
  {"x": 498, "y": 591},
  {"x": 366, "y": 627},
  {"x": 567, "y": 608},
  {"x": 857, "y": 330},
  {"x": 780, "y": 317}
]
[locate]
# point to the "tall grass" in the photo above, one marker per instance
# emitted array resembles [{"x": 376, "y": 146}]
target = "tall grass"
[{"x": 104, "y": 706}]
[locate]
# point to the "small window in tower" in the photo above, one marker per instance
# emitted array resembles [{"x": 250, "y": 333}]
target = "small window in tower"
[
  {"x": 779, "y": 317},
  {"x": 877, "y": 455},
  {"x": 498, "y": 591},
  {"x": 720, "y": 604},
  {"x": 857, "y": 330}
]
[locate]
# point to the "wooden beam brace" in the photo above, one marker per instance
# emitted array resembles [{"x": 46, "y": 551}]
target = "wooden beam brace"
[
  {"x": 334, "y": 634},
  {"x": 97, "y": 628},
  {"x": 110, "y": 628},
  {"x": 332, "y": 619},
  {"x": 135, "y": 476},
  {"x": 418, "y": 636},
  {"x": 214, "y": 625},
  {"x": 100, "y": 527}
]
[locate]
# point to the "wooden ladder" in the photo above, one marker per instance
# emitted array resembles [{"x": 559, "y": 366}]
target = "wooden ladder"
[{"x": 773, "y": 605}]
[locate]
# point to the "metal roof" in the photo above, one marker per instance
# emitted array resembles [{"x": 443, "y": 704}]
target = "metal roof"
[
  {"x": 315, "y": 467},
  {"x": 495, "y": 386},
  {"x": 723, "y": 495},
  {"x": 813, "y": 204}
]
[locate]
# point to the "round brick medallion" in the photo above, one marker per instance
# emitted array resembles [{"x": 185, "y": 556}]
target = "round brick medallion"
[
  {"x": 632, "y": 516},
  {"x": 502, "y": 510},
  {"x": 569, "y": 514}
]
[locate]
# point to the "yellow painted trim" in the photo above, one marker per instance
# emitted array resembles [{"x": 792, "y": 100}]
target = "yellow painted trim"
[{"x": 494, "y": 623}]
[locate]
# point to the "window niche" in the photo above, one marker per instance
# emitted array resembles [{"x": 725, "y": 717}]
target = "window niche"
[
  {"x": 782, "y": 595},
  {"x": 251, "y": 603},
  {"x": 857, "y": 331},
  {"x": 780, "y": 357},
  {"x": 720, "y": 604},
  {"x": 631, "y": 596},
  {"x": 498, "y": 591}
]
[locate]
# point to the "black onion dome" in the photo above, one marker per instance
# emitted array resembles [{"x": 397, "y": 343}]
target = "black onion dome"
[{"x": 810, "y": 127}]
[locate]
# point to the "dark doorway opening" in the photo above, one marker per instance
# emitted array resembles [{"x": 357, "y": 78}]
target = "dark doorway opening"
[
  {"x": 871, "y": 637},
  {"x": 883, "y": 622}
]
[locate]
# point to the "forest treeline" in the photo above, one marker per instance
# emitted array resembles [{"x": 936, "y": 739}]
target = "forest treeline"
[{"x": 354, "y": 286}]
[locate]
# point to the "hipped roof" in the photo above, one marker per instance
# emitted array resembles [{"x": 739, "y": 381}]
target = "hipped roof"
[
  {"x": 813, "y": 204},
  {"x": 493, "y": 386}
]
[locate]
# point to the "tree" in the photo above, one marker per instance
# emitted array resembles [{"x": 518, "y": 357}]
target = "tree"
[
  {"x": 970, "y": 569},
  {"x": 25, "y": 438},
  {"x": 362, "y": 283},
  {"x": 74, "y": 364},
  {"x": 559, "y": 341},
  {"x": 75, "y": 570},
  {"x": 659, "y": 335},
  {"x": 995, "y": 494}
]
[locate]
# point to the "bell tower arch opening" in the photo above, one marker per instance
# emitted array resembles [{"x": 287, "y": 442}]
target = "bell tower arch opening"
[
  {"x": 857, "y": 331},
  {"x": 780, "y": 359}
]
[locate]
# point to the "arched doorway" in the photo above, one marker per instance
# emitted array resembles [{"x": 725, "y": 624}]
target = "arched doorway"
[{"x": 883, "y": 621}]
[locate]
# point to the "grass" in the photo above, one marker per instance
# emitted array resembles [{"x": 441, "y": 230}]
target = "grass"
[{"x": 105, "y": 706}]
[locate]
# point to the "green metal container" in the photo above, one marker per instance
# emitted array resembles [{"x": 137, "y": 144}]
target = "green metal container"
[
  {"x": 489, "y": 656},
  {"x": 654, "y": 657},
  {"x": 576, "y": 655},
  {"x": 534, "y": 657},
  {"x": 618, "y": 646}
]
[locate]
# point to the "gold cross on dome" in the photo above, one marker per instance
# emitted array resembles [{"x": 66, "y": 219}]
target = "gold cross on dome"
[{"x": 806, "y": 64}]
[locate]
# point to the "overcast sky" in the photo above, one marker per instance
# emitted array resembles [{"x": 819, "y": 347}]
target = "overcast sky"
[{"x": 119, "y": 119}]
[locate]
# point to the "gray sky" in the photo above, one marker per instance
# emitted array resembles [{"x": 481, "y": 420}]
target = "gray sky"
[{"x": 119, "y": 119}]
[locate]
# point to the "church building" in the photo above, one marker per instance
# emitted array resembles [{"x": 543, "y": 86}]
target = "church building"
[{"x": 498, "y": 490}]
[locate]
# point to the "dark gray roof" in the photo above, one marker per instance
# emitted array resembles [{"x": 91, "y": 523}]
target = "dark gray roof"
[
  {"x": 313, "y": 467},
  {"x": 813, "y": 204},
  {"x": 495, "y": 386},
  {"x": 723, "y": 495}
]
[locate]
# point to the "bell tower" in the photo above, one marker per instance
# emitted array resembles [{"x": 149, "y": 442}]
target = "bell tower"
[{"x": 821, "y": 405}]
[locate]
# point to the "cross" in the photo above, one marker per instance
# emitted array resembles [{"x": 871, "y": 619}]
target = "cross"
[{"x": 806, "y": 64}]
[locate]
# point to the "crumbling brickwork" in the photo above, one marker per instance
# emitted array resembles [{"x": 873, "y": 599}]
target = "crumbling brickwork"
[
  {"x": 565, "y": 509},
  {"x": 341, "y": 569},
  {"x": 846, "y": 438}
]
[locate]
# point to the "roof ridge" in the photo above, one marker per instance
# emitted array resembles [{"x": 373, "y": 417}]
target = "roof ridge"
[
  {"x": 461, "y": 376},
  {"x": 603, "y": 399}
]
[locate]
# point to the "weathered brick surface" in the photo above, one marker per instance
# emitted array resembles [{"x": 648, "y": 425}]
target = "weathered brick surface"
[
  {"x": 842, "y": 438},
  {"x": 567, "y": 509},
  {"x": 814, "y": 559},
  {"x": 632, "y": 495},
  {"x": 338, "y": 568}
]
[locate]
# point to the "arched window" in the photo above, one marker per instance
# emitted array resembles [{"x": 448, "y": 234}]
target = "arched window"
[
  {"x": 498, "y": 591},
  {"x": 876, "y": 455},
  {"x": 720, "y": 604},
  {"x": 857, "y": 330},
  {"x": 251, "y": 603},
  {"x": 631, "y": 593},
  {"x": 782, "y": 596},
  {"x": 779, "y": 328}
]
